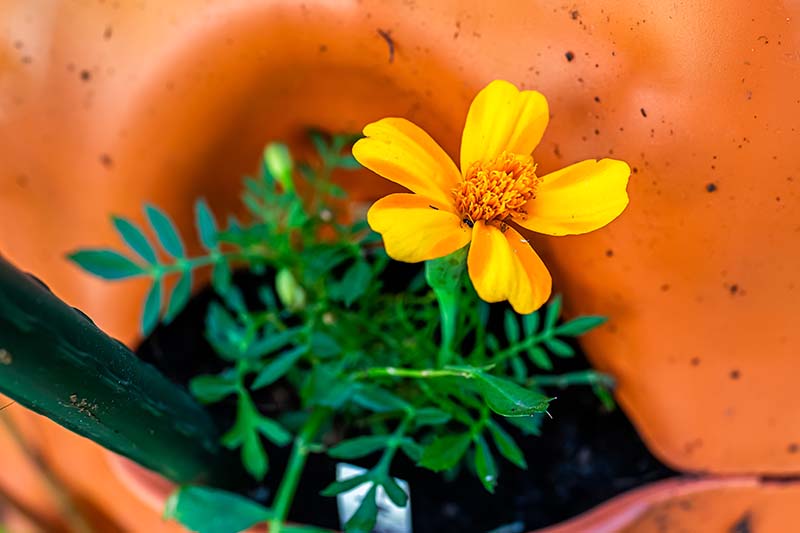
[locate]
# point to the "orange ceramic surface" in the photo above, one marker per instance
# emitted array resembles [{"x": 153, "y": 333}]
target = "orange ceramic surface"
[{"x": 105, "y": 105}]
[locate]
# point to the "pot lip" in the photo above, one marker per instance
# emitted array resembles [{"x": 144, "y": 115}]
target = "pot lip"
[{"x": 611, "y": 515}]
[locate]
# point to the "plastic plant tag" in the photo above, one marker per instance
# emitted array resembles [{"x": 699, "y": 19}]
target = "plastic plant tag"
[{"x": 391, "y": 518}]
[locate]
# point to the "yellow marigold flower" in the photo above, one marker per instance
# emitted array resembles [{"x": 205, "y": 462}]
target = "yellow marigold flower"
[{"x": 496, "y": 187}]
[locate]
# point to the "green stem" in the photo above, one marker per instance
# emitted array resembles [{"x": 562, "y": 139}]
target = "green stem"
[
  {"x": 425, "y": 373},
  {"x": 297, "y": 461},
  {"x": 448, "y": 311},
  {"x": 584, "y": 377}
]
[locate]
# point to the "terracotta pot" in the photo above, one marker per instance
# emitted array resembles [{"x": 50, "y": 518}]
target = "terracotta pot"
[
  {"x": 108, "y": 105},
  {"x": 719, "y": 503}
]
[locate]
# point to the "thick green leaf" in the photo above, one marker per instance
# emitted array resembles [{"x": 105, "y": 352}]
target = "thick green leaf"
[
  {"x": 165, "y": 230},
  {"x": 431, "y": 416},
  {"x": 539, "y": 358},
  {"x": 106, "y": 264},
  {"x": 212, "y": 388},
  {"x": 508, "y": 448},
  {"x": 552, "y": 313},
  {"x": 511, "y": 327},
  {"x": 580, "y": 325},
  {"x": 359, "y": 446},
  {"x": 208, "y": 510},
  {"x": 278, "y": 367},
  {"x": 379, "y": 400},
  {"x": 485, "y": 466},
  {"x": 344, "y": 485},
  {"x": 363, "y": 520},
  {"x": 394, "y": 491},
  {"x": 445, "y": 452},
  {"x": 206, "y": 225},
  {"x": 152, "y": 308},
  {"x": 254, "y": 457},
  {"x": 273, "y": 431},
  {"x": 180, "y": 296},
  {"x": 506, "y": 398},
  {"x": 135, "y": 239},
  {"x": 559, "y": 347}
]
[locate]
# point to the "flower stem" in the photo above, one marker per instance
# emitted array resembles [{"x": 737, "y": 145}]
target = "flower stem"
[
  {"x": 583, "y": 377},
  {"x": 448, "y": 311},
  {"x": 297, "y": 461}
]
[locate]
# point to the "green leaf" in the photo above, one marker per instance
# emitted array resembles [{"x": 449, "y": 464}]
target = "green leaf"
[
  {"x": 445, "y": 452},
  {"x": 363, "y": 520},
  {"x": 273, "y": 431},
  {"x": 539, "y": 358},
  {"x": 506, "y": 398},
  {"x": 379, "y": 400},
  {"x": 511, "y": 327},
  {"x": 529, "y": 425},
  {"x": 272, "y": 341},
  {"x": 323, "y": 345},
  {"x": 411, "y": 449},
  {"x": 212, "y": 388},
  {"x": 278, "y": 367},
  {"x": 485, "y": 465},
  {"x": 106, "y": 264},
  {"x": 135, "y": 239},
  {"x": 180, "y": 296},
  {"x": 344, "y": 485},
  {"x": 353, "y": 284},
  {"x": 518, "y": 368},
  {"x": 328, "y": 388},
  {"x": 580, "y": 325},
  {"x": 348, "y": 162},
  {"x": 530, "y": 323},
  {"x": 254, "y": 457},
  {"x": 552, "y": 313},
  {"x": 505, "y": 443},
  {"x": 559, "y": 347},
  {"x": 221, "y": 276},
  {"x": 208, "y": 510},
  {"x": 165, "y": 230},
  {"x": 605, "y": 396},
  {"x": 152, "y": 308},
  {"x": 359, "y": 447},
  {"x": 431, "y": 416},
  {"x": 394, "y": 491},
  {"x": 206, "y": 225}
]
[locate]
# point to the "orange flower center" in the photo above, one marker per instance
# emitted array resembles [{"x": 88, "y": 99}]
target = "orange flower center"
[{"x": 497, "y": 189}]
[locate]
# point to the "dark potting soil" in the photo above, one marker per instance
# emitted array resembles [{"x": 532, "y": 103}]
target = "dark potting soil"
[{"x": 584, "y": 456}]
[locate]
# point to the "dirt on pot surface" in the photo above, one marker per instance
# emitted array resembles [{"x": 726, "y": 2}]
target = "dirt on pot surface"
[{"x": 584, "y": 456}]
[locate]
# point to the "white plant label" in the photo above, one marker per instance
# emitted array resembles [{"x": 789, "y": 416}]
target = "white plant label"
[{"x": 391, "y": 518}]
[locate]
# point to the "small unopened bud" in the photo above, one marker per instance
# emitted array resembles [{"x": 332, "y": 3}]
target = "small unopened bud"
[
  {"x": 279, "y": 163},
  {"x": 290, "y": 293}
]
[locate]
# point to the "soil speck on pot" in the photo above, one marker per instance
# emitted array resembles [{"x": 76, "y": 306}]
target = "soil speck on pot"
[
  {"x": 711, "y": 187},
  {"x": 695, "y": 361},
  {"x": 106, "y": 160},
  {"x": 570, "y": 56},
  {"x": 793, "y": 447},
  {"x": 735, "y": 374},
  {"x": 387, "y": 36},
  {"x": 643, "y": 112},
  {"x": 86, "y": 75},
  {"x": 743, "y": 525}
]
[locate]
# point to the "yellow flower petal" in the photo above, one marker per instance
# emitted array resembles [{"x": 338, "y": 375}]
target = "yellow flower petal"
[
  {"x": 413, "y": 231},
  {"x": 502, "y": 118},
  {"x": 503, "y": 266},
  {"x": 402, "y": 152},
  {"x": 579, "y": 198}
]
